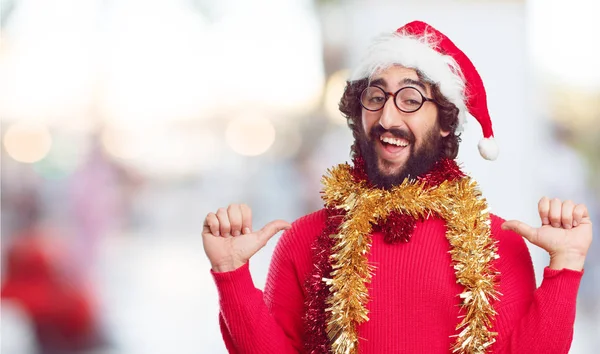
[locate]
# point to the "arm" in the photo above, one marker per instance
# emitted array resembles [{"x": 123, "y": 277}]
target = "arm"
[
  {"x": 566, "y": 234},
  {"x": 253, "y": 322},
  {"x": 529, "y": 320}
]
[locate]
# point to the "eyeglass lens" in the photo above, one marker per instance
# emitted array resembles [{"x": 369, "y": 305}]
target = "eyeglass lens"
[{"x": 408, "y": 99}]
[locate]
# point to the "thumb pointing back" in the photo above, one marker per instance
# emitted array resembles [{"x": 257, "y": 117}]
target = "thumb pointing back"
[
  {"x": 271, "y": 229},
  {"x": 522, "y": 229}
]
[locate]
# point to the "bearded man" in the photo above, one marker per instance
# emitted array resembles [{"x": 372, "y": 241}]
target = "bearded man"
[{"x": 404, "y": 257}]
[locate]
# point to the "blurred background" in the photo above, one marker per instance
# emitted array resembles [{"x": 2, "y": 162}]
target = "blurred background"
[{"x": 125, "y": 122}]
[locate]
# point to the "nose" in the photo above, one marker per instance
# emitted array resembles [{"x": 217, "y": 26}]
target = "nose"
[{"x": 390, "y": 117}]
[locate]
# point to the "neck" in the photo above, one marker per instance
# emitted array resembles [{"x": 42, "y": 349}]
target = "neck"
[{"x": 443, "y": 169}]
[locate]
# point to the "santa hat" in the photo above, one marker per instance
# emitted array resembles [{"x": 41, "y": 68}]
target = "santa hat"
[{"x": 419, "y": 46}]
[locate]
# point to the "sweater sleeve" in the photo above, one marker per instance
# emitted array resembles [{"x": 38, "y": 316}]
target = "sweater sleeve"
[
  {"x": 253, "y": 322},
  {"x": 533, "y": 320}
]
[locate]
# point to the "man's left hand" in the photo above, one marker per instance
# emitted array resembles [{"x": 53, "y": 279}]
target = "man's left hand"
[{"x": 566, "y": 232}]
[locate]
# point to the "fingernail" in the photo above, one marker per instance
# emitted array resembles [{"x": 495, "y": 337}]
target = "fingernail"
[
  {"x": 568, "y": 226},
  {"x": 574, "y": 223},
  {"x": 546, "y": 221},
  {"x": 218, "y": 233},
  {"x": 235, "y": 233},
  {"x": 246, "y": 230}
]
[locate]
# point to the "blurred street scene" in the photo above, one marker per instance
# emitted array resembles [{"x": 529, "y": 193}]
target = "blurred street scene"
[{"x": 123, "y": 123}]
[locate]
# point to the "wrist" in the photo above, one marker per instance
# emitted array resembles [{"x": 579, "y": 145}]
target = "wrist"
[
  {"x": 567, "y": 260},
  {"x": 222, "y": 268}
]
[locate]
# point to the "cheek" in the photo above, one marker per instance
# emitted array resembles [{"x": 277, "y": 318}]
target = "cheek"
[
  {"x": 424, "y": 123},
  {"x": 368, "y": 119}
]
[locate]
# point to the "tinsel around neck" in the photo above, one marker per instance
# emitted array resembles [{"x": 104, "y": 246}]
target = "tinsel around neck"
[{"x": 337, "y": 287}]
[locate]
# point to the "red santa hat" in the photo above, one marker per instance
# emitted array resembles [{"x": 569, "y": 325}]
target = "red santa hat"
[{"x": 419, "y": 46}]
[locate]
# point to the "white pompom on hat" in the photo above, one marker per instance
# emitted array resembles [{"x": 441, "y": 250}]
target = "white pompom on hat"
[{"x": 419, "y": 46}]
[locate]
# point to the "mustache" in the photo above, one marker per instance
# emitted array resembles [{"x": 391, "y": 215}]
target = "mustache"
[{"x": 377, "y": 131}]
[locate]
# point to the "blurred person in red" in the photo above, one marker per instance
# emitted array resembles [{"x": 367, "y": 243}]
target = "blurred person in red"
[
  {"x": 405, "y": 256},
  {"x": 60, "y": 310}
]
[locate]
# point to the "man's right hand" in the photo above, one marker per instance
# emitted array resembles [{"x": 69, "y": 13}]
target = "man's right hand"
[{"x": 228, "y": 239}]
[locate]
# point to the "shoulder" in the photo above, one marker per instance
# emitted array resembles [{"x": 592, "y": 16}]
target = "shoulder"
[
  {"x": 304, "y": 230},
  {"x": 314, "y": 220},
  {"x": 507, "y": 240},
  {"x": 296, "y": 243},
  {"x": 516, "y": 278},
  {"x": 512, "y": 249}
]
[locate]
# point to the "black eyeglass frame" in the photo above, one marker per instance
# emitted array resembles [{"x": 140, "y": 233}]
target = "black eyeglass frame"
[{"x": 395, "y": 94}]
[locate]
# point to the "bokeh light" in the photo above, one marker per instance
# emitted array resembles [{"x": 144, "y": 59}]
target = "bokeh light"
[
  {"x": 250, "y": 135},
  {"x": 67, "y": 153},
  {"x": 27, "y": 142}
]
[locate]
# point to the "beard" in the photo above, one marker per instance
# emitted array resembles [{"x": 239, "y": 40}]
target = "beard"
[{"x": 420, "y": 159}]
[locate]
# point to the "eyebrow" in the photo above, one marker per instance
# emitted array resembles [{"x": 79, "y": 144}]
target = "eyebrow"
[{"x": 406, "y": 81}]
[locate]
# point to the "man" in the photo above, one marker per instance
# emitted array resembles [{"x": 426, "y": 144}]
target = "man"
[{"x": 405, "y": 257}]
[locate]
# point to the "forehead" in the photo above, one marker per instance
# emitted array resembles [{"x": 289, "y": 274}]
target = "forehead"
[
  {"x": 396, "y": 71},
  {"x": 393, "y": 77}
]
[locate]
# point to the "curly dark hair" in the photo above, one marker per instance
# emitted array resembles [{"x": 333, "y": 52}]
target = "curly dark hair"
[{"x": 447, "y": 115}]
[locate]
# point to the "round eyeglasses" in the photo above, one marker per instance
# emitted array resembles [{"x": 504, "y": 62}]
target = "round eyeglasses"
[{"x": 407, "y": 99}]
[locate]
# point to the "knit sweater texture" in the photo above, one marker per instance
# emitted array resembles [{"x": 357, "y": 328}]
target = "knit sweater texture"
[{"x": 414, "y": 303}]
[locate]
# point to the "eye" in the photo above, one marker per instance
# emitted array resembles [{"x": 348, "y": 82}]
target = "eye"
[
  {"x": 409, "y": 98},
  {"x": 412, "y": 102},
  {"x": 373, "y": 98}
]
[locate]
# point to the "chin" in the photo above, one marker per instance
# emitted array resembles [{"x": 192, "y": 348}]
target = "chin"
[{"x": 389, "y": 169}]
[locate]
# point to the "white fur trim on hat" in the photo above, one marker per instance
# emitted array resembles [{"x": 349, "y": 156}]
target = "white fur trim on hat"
[
  {"x": 416, "y": 53},
  {"x": 488, "y": 148}
]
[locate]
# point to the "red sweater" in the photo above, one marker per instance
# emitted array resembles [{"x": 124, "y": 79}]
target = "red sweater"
[{"x": 413, "y": 304}]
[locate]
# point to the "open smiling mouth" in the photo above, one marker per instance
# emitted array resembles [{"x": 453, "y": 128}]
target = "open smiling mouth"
[{"x": 392, "y": 147}]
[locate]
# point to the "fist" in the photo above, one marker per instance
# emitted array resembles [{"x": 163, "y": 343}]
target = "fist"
[
  {"x": 229, "y": 240},
  {"x": 565, "y": 232}
]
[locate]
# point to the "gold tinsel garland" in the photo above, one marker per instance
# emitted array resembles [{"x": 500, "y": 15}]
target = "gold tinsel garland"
[{"x": 467, "y": 218}]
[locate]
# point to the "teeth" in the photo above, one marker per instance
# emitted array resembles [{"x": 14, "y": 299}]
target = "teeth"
[{"x": 393, "y": 141}]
